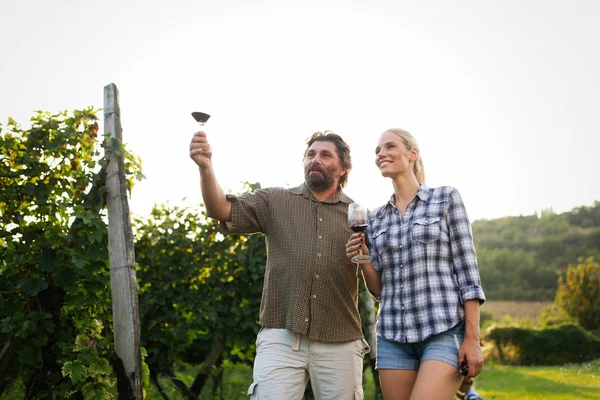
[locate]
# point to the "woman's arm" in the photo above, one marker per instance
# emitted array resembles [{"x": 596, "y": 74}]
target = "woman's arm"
[
  {"x": 370, "y": 276},
  {"x": 470, "y": 350},
  {"x": 471, "y": 294}
]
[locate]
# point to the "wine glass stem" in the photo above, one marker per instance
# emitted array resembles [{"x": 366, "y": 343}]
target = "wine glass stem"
[
  {"x": 360, "y": 254},
  {"x": 201, "y": 125}
]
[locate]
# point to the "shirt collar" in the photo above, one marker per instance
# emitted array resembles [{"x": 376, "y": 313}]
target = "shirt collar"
[
  {"x": 303, "y": 190},
  {"x": 423, "y": 193}
]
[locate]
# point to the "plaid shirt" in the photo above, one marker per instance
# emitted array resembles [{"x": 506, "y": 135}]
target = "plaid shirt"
[
  {"x": 427, "y": 264},
  {"x": 310, "y": 285}
]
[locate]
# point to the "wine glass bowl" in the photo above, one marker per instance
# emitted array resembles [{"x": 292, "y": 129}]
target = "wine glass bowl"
[
  {"x": 200, "y": 117},
  {"x": 357, "y": 221}
]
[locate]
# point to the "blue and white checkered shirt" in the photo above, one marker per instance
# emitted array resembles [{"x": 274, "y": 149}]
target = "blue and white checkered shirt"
[{"x": 427, "y": 264}]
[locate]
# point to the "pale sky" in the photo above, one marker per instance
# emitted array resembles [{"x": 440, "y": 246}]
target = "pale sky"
[{"x": 502, "y": 96}]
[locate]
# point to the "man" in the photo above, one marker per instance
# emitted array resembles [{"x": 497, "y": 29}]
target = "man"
[{"x": 310, "y": 324}]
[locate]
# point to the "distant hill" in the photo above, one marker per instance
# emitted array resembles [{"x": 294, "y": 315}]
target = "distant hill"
[{"x": 520, "y": 258}]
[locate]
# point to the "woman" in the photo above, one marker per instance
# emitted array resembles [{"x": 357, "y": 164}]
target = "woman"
[{"x": 424, "y": 273}]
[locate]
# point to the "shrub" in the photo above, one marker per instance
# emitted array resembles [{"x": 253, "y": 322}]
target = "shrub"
[
  {"x": 553, "y": 315},
  {"x": 556, "y": 345},
  {"x": 578, "y": 293},
  {"x": 485, "y": 318}
]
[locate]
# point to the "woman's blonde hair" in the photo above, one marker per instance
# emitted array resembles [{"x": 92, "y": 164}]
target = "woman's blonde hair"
[{"x": 411, "y": 143}]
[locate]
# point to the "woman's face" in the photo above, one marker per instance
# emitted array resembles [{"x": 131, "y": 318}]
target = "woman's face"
[{"x": 392, "y": 156}]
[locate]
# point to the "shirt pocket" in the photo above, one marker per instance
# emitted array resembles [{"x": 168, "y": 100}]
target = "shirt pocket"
[
  {"x": 379, "y": 239},
  {"x": 427, "y": 229}
]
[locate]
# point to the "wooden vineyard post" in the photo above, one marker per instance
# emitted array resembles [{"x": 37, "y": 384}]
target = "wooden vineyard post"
[{"x": 126, "y": 317}]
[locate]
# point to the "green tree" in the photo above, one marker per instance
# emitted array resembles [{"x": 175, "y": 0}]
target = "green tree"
[
  {"x": 55, "y": 326},
  {"x": 521, "y": 257},
  {"x": 199, "y": 294},
  {"x": 578, "y": 293},
  {"x": 514, "y": 274}
]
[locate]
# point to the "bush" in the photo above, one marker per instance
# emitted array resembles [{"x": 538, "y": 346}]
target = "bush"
[
  {"x": 578, "y": 293},
  {"x": 55, "y": 303},
  {"x": 485, "y": 319},
  {"x": 553, "y": 315},
  {"x": 556, "y": 345}
]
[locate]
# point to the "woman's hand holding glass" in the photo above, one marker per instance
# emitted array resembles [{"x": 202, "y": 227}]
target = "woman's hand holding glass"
[
  {"x": 357, "y": 221},
  {"x": 356, "y": 246}
]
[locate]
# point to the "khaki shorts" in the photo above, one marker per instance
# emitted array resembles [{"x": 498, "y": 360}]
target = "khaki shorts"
[{"x": 286, "y": 360}]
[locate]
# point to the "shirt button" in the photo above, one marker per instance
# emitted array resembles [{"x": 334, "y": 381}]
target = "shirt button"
[
  {"x": 401, "y": 286},
  {"x": 317, "y": 276},
  {"x": 318, "y": 254},
  {"x": 314, "y": 296},
  {"x": 401, "y": 266},
  {"x": 403, "y": 307},
  {"x": 400, "y": 246},
  {"x": 305, "y": 319},
  {"x": 320, "y": 237},
  {"x": 320, "y": 219}
]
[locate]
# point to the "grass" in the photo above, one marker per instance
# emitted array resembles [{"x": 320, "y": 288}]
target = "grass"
[
  {"x": 570, "y": 382},
  {"x": 497, "y": 382}
]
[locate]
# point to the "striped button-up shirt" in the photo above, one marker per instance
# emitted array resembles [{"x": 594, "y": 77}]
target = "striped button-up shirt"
[
  {"x": 427, "y": 264},
  {"x": 310, "y": 285}
]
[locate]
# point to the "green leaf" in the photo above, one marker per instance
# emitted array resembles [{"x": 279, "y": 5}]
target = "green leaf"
[
  {"x": 75, "y": 371},
  {"x": 79, "y": 261},
  {"x": 86, "y": 358},
  {"x": 30, "y": 355},
  {"x": 96, "y": 391},
  {"x": 34, "y": 285},
  {"x": 101, "y": 367},
  {"x": 48, "y": 325},
  {"x": 94, "y": 236},
  {"x": 6, "y": 325},
  {"x": 82, "y": 342},
  {"x": 27, "y": 328}
]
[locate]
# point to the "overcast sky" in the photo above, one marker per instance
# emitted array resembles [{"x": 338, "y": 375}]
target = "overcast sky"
[{"x": 502, "y": 96}]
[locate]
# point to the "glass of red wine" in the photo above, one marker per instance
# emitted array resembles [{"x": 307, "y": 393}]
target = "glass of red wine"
[
  {"x": 201, "y": 119},
  {"x": 357, "y": 220}
]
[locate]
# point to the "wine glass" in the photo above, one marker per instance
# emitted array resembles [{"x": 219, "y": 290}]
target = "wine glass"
[
  {"x": 201, "y": 119},
  {"x": 357, "y": 220}
]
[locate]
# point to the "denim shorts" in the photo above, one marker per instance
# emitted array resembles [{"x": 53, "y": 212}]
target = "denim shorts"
[{"x": 441, "y": 347}]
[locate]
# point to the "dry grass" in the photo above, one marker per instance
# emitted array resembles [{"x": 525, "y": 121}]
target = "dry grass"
[{"x": 514, "y": 309}]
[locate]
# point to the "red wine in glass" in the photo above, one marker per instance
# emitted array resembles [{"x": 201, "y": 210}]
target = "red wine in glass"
[
  {"x": 200, "y": 117},
  {"x": 357, "y": 221},
  {"x": 359, "y": 228}
]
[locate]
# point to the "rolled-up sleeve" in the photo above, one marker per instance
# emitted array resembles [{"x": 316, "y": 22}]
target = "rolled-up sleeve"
[
  {"x": 249, "y": 213},
  {"x": 463, "y": 250}
]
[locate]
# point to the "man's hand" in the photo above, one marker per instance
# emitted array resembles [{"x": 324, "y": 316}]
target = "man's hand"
[{"x": 200, "y": 150}]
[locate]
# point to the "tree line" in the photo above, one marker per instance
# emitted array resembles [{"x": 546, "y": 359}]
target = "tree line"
[{"x": 522, "y": 257}]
